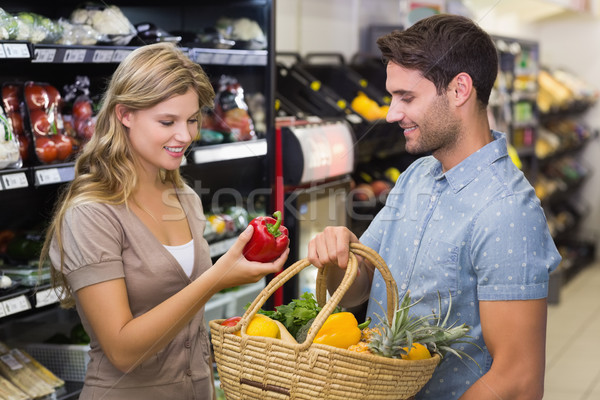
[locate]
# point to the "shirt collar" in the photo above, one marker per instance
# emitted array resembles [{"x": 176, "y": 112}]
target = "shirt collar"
[{"x": 462, "y": 174}]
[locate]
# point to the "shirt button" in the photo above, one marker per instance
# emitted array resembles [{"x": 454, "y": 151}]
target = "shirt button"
[
  {"x": 187, "y": 344},
  {"x": 188, "y": 372}
]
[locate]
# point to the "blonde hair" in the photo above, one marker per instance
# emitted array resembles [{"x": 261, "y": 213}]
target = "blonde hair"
[{"x": 105, "y": 171}]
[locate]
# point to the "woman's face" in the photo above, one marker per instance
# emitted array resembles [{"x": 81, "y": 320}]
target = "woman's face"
[{"x": 161, "y": 134}]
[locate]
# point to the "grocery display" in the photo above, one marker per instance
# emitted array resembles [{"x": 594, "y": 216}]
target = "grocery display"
[
  {"x": 56, "y": 60},
  {"x": 52, "y": 75},
  {"x": 562, "y": 100},
  {"x": 513, "y": 101}
]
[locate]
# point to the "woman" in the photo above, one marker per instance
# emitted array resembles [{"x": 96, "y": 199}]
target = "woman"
[{"x": 126, "y": 241}]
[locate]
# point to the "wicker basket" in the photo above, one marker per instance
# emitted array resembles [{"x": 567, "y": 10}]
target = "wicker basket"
[{"x": 252, "y": 367}]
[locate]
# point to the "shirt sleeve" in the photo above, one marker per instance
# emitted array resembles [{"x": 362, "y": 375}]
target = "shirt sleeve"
[
  {"x": 92, "y": 241},
  {"x": 513, "y": 251}
]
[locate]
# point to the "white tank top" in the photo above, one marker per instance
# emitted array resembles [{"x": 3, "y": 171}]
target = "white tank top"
[{"x": 184, "y": 254}]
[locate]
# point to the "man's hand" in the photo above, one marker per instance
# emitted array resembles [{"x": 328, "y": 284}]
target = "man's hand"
[{"x": 331, "y": 247}]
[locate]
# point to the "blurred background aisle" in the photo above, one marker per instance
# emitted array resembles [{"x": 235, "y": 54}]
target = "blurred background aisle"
[{"x": 572, "y": 368}]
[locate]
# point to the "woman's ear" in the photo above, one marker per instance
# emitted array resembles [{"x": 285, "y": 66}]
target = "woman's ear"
[
  {"x": 123, "y": 114},
  {"x": 462, "y": 88}
]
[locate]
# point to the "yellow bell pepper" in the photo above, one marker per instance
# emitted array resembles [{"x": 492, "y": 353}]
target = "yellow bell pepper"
[{"x": 339, "y": 330}]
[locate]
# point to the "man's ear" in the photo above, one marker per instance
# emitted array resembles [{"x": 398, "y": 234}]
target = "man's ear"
[
  {"x": 123, "y": 114},
  {"x": 461, "y": 88}
]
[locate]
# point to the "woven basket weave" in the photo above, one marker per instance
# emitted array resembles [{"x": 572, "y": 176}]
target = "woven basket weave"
[{"x": 253, "y": 367}]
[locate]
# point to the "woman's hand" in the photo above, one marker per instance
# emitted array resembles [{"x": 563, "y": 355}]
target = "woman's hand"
[
  {"x": 234, "y": 269},
  {"x": 331, "y": 247}
]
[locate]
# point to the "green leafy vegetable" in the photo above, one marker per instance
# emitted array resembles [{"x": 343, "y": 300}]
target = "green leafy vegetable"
[{"x": 297, "y": 313}]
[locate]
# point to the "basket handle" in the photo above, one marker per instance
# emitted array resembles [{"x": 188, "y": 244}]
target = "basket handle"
[
  {"x": 329, "y": 306},
  {"x": 378, "y": 262}
]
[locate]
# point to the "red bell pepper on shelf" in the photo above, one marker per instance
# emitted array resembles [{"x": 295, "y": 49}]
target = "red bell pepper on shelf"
[{"x": 269, "y": 240}]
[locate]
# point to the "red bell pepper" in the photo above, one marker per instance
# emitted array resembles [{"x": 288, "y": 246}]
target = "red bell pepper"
[{"x": 269, "y": 240}]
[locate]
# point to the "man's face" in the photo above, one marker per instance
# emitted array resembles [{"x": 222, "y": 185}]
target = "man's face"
[{"x": 426, "y": 117}]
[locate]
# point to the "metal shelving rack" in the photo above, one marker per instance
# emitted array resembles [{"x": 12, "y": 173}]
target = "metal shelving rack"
[{"x": 28, "y": 193}]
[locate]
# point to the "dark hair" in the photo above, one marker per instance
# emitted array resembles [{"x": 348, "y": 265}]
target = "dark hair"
[{"x": 441, "y": 47}]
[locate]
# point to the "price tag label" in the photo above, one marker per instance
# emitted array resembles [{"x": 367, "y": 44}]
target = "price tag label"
[
  {"x": 16, "y": 305},
  {"x": 2, "y": 53},
  {"x": 45, "y": 297},
  {"x": 120, "y": 55},
  {"x": 14, "y": 181},
  {"x": 44, "y": 55},
  {"x": 47, "y": 176},
  {"x": 16, "y": 50},
  {"x": 103, "y": 56},
  {"x": 74, "y": 55},
  {"x": 11, "y": 362}
]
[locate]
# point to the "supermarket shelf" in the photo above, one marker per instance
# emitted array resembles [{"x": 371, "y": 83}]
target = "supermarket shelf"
[
  {"x": 14, "y": 178},
  {"x": 229, "y": 151},
  {"x": 16, "y": 50},
  {"x": 228, "y": 57},
  {"x": 69, "y": 54},
  {"x": 40, "y": 175},
  {"x": 21, "y": 299},
  {"x": 102, "y": 54}
]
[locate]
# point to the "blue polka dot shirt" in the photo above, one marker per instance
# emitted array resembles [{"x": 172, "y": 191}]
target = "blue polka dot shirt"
[{"x": 476, "y": 232}]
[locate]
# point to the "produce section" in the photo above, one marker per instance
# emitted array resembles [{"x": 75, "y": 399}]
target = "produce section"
[
  {"x": 51, "y": 90},
  {"x": 548, "y": 141},
  {"x": 539, "y": 107},
  {"x": 563, "y": 138}
]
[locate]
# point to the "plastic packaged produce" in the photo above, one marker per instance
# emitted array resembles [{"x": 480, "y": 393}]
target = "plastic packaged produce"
[
  {"x": 240, "y": 217},
  {"x": 8, "y": 25},
  {"x": 77, "y": 34},
  {"x": 44, "y": 104},
  {"x": 231, "y": 114},
  {"x": 36, "y": 28},
  {"x": 82, "y": 120},
  {"x": 147, "y": 33},
  {"x": 244, "y": 32},
  {"x": 13, "y": 105},
  {"x": 9, "y": 144},
  {"x": 108, "y": 20}
]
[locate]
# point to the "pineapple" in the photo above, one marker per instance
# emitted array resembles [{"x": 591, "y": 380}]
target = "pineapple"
[
  {"x": 394, "y": 338},
  {"x": 367, "y": 334},
  {"x": 360, "y": 347},
  {"x": 391, "y": 337}
]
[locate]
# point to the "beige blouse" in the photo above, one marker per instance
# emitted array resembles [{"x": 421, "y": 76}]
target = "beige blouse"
[{"x": 104, "y": 242}]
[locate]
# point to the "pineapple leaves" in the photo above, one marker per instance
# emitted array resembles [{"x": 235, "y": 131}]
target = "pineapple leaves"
[{"x": 392, "y": 338}]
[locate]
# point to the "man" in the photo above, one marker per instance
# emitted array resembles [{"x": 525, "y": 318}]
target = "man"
[{"x": 463, "y": 222}]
